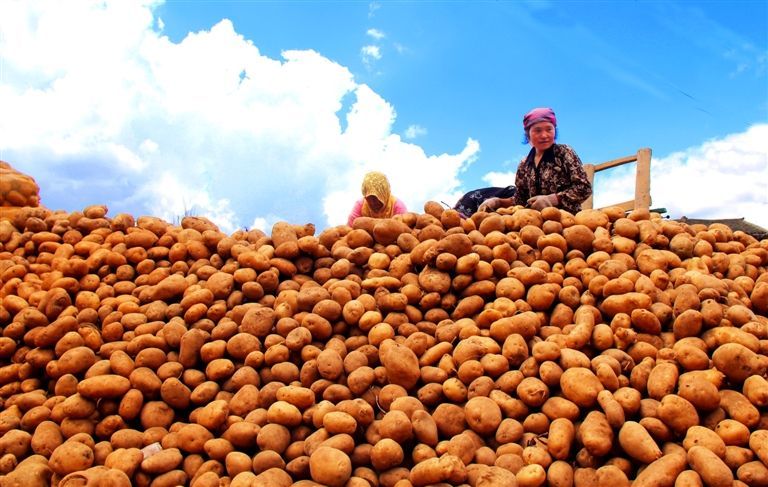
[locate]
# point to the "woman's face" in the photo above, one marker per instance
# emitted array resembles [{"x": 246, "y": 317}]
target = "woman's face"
[
  {"x": 374, "y": 202},
  {"x": 542, "y": 135}
]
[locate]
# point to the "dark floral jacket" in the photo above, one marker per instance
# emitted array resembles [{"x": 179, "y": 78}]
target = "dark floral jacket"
[{"x": 560, "y": 171}]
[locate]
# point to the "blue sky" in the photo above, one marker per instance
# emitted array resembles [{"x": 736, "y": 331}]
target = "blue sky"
[{"x": 252, "y": 112}]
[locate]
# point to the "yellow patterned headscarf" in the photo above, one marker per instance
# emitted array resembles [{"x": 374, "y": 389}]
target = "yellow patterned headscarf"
[{"x": 376, "y": 184}]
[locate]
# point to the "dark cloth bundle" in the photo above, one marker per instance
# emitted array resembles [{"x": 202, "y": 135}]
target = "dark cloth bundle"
[{"x": 471, "y": 201}]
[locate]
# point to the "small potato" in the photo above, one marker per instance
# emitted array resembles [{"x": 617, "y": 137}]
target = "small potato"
[
  {"x": 638, "y": 443},
  {"x": 677, "y": 413},
  {"x": 738, "y": 362},
  {"x": 385, "y": 454},
  {"x": 400, "y": 363},
  {"x": 758, "y": 442},
  {"x": 702, "y": 436},
  {"x": 662, "y": 472},
  {"x": 738, "y": 407},
  {"x": 71, "y": 456},
  {"x": 662, "y": 380},
  {"x": 483, "y": 415},
  {"x": 339, "y": 422},
  {"x": 613, "y": 476},
  {"x": 103, "y": 386},
  {"x": 732, "y": 432},
  {"x": 713, "y": 471},
  {"x": 581, "y": 386},
  {"x": 163, "y": 461},
  {"x": 756, "y": 390},
  {"x": 753, "y": 473},
  {"x": 560, "y": 438},
  {"x": 532, "y": 475},
  {"x": 596, "y": 434},
  {"x": 689, "y": 478},
  {"x": 330, "y": 466}
]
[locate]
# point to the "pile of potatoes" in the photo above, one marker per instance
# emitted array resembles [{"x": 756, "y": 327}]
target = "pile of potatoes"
[
  {"x": 518, "y": 348},
  {"x": 17, "y": 189}
]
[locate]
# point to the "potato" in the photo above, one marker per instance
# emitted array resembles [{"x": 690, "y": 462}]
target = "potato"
[
  {"x": 330, "y": 466},
  {"x": 689, "y": 478},
  {"x": 702, "y": 436},
  {"x": 71, "y": 456},
  {"x": 126, "y": 460},
  {"x": 612, "y": 475},
  {"x": 662, "y": 472},
  {"x": 677, "y": 413},
  {"x": 596, "y": 434},
  {"x": 756, "y": 390},
  {"x": 758, "y": 442},
  {"x": 753, "y": 473},
  {"x": 732, "y": 432},
  {"x": 531, "y": 476},
  {"x": 103, "y": 386},
  {"x": 710, "y": 467},
  {"x": 559, "y": 474},
  {"x": 638, "y": 443},
  {"x": 33, "y": 471},
  {"x": 560, "y": 438},
  {"x": 581, "y": 386},
  {"x": 401, "y": 364},
  {"x": 737, "y": 362},
  {"x": 739, "y": 408}
]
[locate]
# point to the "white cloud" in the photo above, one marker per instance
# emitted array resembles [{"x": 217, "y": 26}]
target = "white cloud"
[
  {"x": 376, "y": 34},
  {"x": 722, "y": 178},
  {"x": 414, "y": 131},
  {"x": 372, "y": 8},
  {"x": 370, "y": 54},
  {"x": 107, "y": 110},
  {"x": 499, "y": 179}
]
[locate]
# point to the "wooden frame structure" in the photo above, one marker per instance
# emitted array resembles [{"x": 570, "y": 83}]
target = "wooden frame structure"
[{"x": 642, "y": 179}]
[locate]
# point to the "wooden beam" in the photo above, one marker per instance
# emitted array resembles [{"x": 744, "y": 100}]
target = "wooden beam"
[
  {"x": 643, "y": 179},
  {"x": 590, "y": 170},
  {"x": 616, "y": 162}
]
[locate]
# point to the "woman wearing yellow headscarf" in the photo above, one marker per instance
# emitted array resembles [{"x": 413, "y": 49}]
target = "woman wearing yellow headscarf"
[{"x": 377, "y": 201}]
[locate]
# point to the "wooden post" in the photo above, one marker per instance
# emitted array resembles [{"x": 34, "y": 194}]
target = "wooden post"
[
  {"x": 590, "y": 170},
  {"x": 643, "y": 179}
]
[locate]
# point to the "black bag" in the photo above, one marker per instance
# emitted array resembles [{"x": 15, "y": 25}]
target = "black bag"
[{"x": 471, "y": 201}]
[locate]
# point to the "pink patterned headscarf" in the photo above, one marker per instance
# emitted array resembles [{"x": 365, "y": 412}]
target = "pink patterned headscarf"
[{"x": 539, "y": 115}]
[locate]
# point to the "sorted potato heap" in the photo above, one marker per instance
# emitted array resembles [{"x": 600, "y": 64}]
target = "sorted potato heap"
[
  {"x": 516, "y": 348},
  {"x": 19, "y": 194}
]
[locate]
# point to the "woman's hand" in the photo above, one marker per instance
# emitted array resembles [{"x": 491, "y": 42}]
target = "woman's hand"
[
  {"x": 490, "y": 204},
  {"x": 543, "y": 201}
]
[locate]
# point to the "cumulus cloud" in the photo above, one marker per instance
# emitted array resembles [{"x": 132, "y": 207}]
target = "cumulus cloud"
[
  {"x": 108, "y": 110},
  {"x": 414, "y": 131},
  {"x": 722, "y": 178},
  {"x": 375, "y": 34},
  {"x": 372, "y": 8},
  {"x": 499, "y": 179},
  {"x": 370, "y": 53}
]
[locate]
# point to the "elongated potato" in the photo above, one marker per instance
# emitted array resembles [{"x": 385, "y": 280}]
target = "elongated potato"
[
  {"x": 638, "y": 443},
  {"x": 662, "y": 472},
  {"x": 713, "y": 471}
]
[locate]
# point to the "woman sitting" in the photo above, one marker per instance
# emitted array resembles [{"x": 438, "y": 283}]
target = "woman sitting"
[
  {"x": 551, "y": 174},
  {"x": 377, "y": 201}
]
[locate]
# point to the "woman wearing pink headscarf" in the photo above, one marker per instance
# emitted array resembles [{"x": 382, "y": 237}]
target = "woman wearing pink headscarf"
[{"x": 551, "y": 174}]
